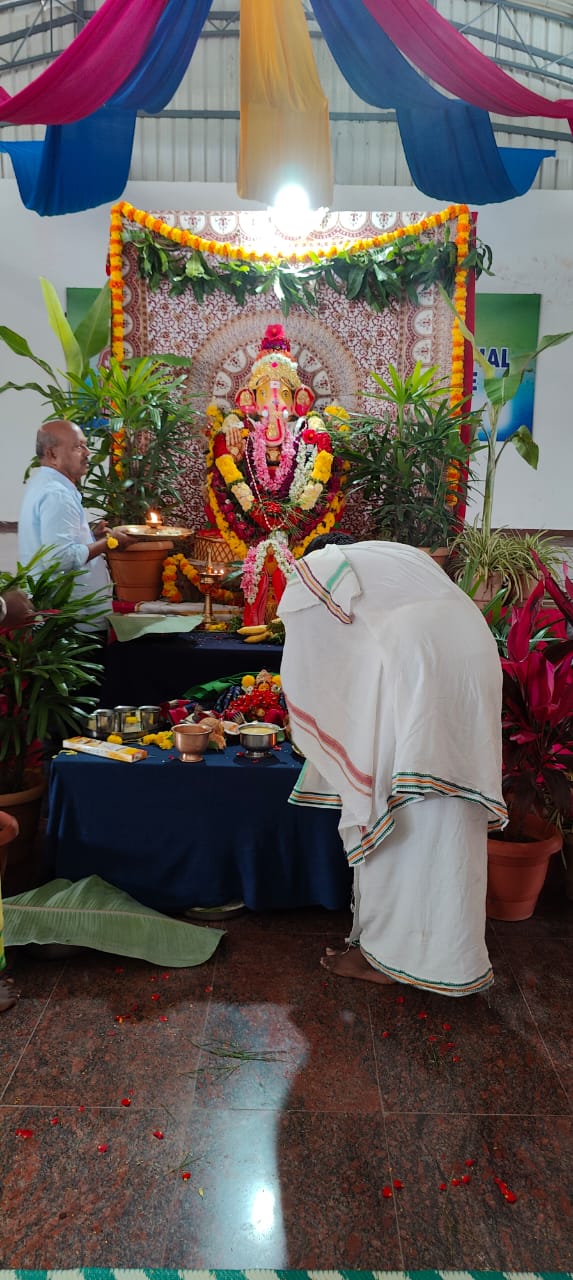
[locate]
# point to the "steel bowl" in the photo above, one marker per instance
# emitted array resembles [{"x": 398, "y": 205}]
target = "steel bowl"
[
  {"x": 149, "y": 717},
  {"x": 258, "y": 736},
  {"x": 105, "y": 722}
]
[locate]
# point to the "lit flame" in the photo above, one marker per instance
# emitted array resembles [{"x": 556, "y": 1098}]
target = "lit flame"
[{"x": 153, "y": 519}]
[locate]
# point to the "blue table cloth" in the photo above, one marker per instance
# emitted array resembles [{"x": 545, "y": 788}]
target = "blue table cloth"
[{"x": 177, "y": 835}]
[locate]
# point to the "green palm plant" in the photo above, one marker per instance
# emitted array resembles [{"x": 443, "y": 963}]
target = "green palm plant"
[
  {"x": 137, "y": 424},
  {"x": 44, "y": 669},
  {"x": 79, "y": 347},
  {"x": 409, "y": 460}
]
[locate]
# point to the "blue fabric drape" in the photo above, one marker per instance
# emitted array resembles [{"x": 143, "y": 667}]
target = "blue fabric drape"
[
  {"x": 78, "y": 166},
  {"x": 449, "y": 145}
]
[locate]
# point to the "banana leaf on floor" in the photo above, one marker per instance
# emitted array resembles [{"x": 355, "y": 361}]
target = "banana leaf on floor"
[{"x": 92, "y": 913}]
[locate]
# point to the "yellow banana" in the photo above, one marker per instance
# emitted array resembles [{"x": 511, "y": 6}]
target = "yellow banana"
[
  {"x": 256, "y": 639},
  {"x": 252, "y": 631}
]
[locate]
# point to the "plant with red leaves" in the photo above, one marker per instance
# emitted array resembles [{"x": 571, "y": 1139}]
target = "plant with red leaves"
[{"x": 537, "y": 708}]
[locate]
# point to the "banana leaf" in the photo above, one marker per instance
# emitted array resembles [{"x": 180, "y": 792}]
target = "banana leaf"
[{"x": 92, "y": 913}]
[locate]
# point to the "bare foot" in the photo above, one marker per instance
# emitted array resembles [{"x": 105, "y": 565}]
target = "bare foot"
[
  {"x": 352, "y": 964},
  {"x": 9, "y": 996}
]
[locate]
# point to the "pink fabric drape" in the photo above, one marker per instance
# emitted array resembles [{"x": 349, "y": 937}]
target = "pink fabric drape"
[
  {"x": 443, "y": 54},
  {"x": 92, "y": 68}
]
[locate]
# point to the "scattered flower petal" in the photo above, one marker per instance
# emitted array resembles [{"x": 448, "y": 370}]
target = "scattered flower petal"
[
  {"x": 185, "y": 1175},
  {"x": 24, "y": 1133},
  {"x": 163, "y": 1017},
  {"x": 466, "y": 1178},
  {"x": 387, "y": 1193},
  {"x": 118, "y": 969},
  {"x": 208, "y": 989},
  {"x": 165, "y": 976},
  {"x": 400, "y": 999},
  {"x": 469, "y": 1163},
  {"x": 443, "y": 1186},
  {"x": 54, "y": 1120},
  {"x": 432, "y": 1038},
  {"x": 118, "y": 1018},
  {"x": 81, "y": 1108},
  {"x": 398, "y": 1184},
  {"x": 446, "y": 1026},
  {"x": 200, "y": 1192},
  {"x": 455, "y": 1182},
  {"x": 102, "y": 1146},
  {"x": 126, "y": 1102},
  {"x": 385, "y": 1035},
  {"x": 158, "y": 1134},
  {"x": 510, "y": 1196},
  {"x": 456, "y": 1058},
  {"x": 422, "y": 1014},
  {"x": 156, "y": 996}
]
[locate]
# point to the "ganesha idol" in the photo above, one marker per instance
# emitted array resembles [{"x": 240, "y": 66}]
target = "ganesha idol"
[{"x": 272, "y": 480}]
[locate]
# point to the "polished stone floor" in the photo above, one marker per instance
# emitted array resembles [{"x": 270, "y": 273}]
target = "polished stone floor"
[{"x": 257, "y": 1112}]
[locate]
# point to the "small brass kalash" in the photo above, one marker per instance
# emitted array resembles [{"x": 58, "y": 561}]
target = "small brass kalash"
[{"x": 192, "y": 741}]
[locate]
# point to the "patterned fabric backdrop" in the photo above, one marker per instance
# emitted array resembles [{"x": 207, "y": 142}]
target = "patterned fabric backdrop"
[{"x": 336, "y": 350}]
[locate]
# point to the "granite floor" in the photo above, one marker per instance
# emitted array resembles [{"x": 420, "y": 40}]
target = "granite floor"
[{"x": 359, "y": 1127}]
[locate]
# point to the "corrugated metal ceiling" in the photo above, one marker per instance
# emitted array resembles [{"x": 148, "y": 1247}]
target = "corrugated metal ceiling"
[{"x": 196, "y": 138}]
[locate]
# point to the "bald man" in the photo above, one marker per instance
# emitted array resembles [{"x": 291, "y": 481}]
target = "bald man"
[{"x": 52, "y": 516}]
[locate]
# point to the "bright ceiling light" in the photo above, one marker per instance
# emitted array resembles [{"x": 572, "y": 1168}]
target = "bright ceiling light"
[{"x": 292, "y": 199}]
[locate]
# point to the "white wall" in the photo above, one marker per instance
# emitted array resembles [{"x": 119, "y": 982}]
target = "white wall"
[{"x": 532, "y": 241}]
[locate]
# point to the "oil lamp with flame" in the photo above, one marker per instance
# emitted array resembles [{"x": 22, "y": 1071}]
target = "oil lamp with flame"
[{"x": 153, "y": 521}]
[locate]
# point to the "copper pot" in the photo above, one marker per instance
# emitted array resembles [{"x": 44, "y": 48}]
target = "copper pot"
[{"x": 192, "y": 741}]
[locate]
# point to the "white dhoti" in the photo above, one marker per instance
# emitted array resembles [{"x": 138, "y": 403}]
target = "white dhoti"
[{"x": 393, "y": 684}]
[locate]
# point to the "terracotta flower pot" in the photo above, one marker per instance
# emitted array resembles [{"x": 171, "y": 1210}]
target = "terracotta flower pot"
[
  {"x": 517, "y": 870},
  {"x": 22, "y": 870},
  {"x": 137, "y": 570}
]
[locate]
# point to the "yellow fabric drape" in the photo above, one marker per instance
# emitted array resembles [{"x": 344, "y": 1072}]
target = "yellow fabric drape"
[{"x": 285, "y": 129}]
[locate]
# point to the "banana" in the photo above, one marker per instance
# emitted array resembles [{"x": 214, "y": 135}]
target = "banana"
[
  {"x": 252, "y": 631},
  {"x": 258, "y": 638}
]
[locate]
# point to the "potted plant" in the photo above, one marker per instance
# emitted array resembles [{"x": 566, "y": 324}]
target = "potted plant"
[
  {"x": 409, "y": 461},
  {"x": 537, "y": 749},
  {"x": 44, "y": 671},
  {"x": 134, "y": 416},
  {"x": 501, "y": 557}
]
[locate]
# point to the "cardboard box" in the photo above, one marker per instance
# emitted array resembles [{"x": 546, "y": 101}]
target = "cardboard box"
[{"x": 109, "y": 750}]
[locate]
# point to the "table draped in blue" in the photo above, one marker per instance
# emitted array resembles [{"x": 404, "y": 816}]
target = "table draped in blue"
[
  {"x": 157, "y": 668},
  {"x": 177, "y": 835}
]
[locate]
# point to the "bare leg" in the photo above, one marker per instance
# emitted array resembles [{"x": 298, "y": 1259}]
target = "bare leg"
[
  {"x": 353, "y": 964},
  {"x": 9, "y": 996}
]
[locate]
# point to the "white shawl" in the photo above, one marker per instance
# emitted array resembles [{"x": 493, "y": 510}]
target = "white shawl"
[{"x": 393, "y": 684}]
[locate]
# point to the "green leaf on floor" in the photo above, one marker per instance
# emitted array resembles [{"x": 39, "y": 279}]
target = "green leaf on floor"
[{"x": 92, "y": 913}]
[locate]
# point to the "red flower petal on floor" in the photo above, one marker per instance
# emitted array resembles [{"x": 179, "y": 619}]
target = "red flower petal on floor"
[
  {"x": 450, "y": 1044},
  {"x": 422, "y": 1014},
  {"x": 385, "y": 1035},
  {"x": 443, "y": 1186},
  {"x": 102, "y": 1146},
  {"x": 502, "y": 1186},
  {"x": 165, "y": 975},
  {"x": 387, "y": 1193},
  {"x": 400, "y": 999},
  {"x": 208, "y": 989},
  {"x": 466, "y": 1178},
  {"x": 54, "y": 1120},
  {"x": 456, "y": 1058},
  {"x": 153, "y": 978},
  {"x": 397, "y": 1184},
  {"x": 158, "y": 1134},
  {"x": 468, "y": 1163},
  {"x": 185, "y": 1175},
  {"x": 81, "y": 1108},
  {"x": 456, "y": 1182},
  {"x": 156, "y": 996},
  {"x": 446, "y": 1026},
  {"x": 510, "y": 1197},
  {"x": 126, "y": 1102},
  {"x": 24, "y": 1133},
  {"x": 432, "y": 1038},
  {"x": 162, "y": 1017}
]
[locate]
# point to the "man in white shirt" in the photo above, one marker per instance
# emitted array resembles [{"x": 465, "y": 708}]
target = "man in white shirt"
[{"x": 52, "y": 516}]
